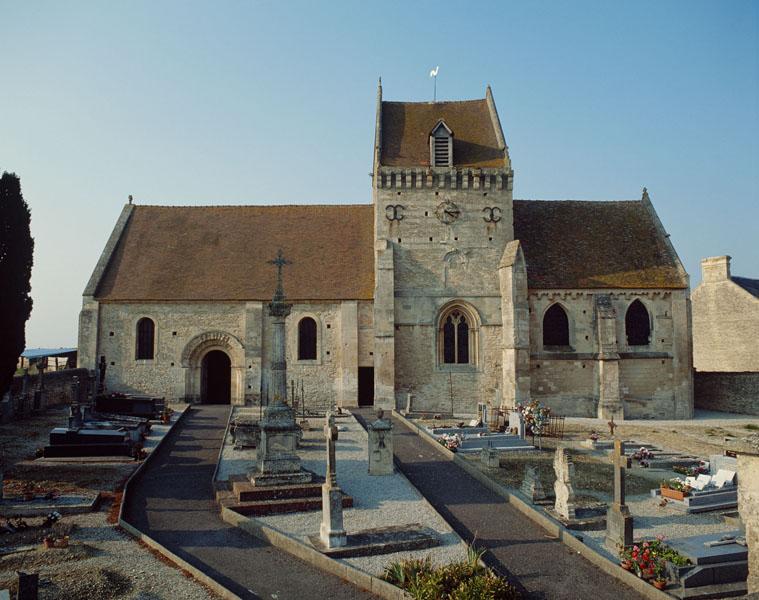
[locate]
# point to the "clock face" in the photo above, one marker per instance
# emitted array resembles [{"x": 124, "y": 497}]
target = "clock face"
[{"x": 447, "y": 212}]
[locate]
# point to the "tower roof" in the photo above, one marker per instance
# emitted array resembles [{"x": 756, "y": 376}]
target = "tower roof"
[{"x": 406, "y": 126}]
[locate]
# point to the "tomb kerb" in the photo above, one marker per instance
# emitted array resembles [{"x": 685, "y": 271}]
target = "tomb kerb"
[{"x": 276, "y": 460}]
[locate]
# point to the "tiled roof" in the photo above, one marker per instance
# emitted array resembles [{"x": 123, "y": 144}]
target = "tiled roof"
[
  {"x": 221, "y": 253},
  {"x": 750, "y": 285},
  {"x": 574, "y": 244},
  {"x": 406, "y": 129}
]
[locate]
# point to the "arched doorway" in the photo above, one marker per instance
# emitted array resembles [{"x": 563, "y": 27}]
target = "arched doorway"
[{"x": 215, "y": 378}]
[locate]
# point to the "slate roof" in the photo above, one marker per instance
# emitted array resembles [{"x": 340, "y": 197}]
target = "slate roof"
[
  {"x": 221, "y": 253},
  {"x": 750, "y": 285},
  {"x": 579, "y": 244},
  {"x": 406, "y": 128}
]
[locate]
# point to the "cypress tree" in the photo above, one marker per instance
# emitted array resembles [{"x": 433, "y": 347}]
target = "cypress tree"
[{"x": 16, "y": 250}]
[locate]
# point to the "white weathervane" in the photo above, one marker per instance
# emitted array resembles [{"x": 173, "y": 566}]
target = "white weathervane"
[{"x": 433, "y": 74}]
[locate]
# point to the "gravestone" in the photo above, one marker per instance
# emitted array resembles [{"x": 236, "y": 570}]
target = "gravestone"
[
  {"x": 531, "y": 485},
  {"x": 489, "y": 456},
  {"x": 28, "y": 585},
  {"x": 409, "y": 403},
  {"x": 332, "y": 532},
  {"x": 381, "y": 446},
  {"x": 562, "y": 487},
  {"x": 619, "y": 521},
  {"x": 516, "y": 423}
]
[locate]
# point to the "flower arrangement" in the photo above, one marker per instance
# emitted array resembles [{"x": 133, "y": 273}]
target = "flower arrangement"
[
  {"x": 675, "y": 484},
  {"x": 450, "y": 441},
  {"x": 649, "y": 560},
  {"x": 692, "y": 471},
  {"x": 535, "y": 417},
  {"x": 594, "y": 436}
]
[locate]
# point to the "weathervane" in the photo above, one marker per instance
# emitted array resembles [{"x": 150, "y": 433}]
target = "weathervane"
[{"x": 433, "y": 74}]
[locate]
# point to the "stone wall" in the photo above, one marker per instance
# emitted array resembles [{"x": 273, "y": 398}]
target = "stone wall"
[
  {"x": 727, "y": 392},
  {"x": 185, "y": 332},
  {"x": 59, "y": 386},
  {"x": 654, "y": 380},
  {"x": 748, "y": 506},
  {"x": 725, "y": 321}
]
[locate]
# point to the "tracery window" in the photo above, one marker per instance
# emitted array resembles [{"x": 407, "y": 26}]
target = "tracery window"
[
  {"x": 457, "y": 337},
  {"x": 145, "y": 339},
  {"x": 637, "y": 325},
  {"x": 555, "y": 327},
  {"x": 307, "y": 339}
]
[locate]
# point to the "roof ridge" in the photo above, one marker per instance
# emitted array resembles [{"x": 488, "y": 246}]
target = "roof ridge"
[
  {"x": 251, "y": 205},
  {"x": 435, "y": 102},
  {"x": 579, "y": 201}
]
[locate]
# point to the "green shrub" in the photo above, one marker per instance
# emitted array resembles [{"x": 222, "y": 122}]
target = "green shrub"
[
  {"x": 463, "y": 580},
  {"x": 485, "y": 586}
]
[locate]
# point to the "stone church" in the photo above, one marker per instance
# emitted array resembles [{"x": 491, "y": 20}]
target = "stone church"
[{"x": 445, "y": 290}]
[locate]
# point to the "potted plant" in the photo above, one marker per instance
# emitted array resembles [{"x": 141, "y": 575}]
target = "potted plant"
[{"x": 674, "y": 489}]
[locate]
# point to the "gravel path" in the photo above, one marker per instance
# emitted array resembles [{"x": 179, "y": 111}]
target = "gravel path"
[
  {"x": 173, "y": 502},
  {"x": 378, "y": 501},
  {"x": 542, "y": 566}
]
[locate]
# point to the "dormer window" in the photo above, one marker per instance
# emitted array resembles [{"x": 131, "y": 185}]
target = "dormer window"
[{"x": 441, "y": 145}]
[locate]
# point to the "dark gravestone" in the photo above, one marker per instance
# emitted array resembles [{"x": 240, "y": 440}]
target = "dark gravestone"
[{"x": 28, "y": 585}]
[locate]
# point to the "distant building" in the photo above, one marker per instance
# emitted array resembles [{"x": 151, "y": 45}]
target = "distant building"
[
  {"x": 445, "y": 288},
  {"x": 57, "y": 358},
  {"x": 725, "y": 319}
]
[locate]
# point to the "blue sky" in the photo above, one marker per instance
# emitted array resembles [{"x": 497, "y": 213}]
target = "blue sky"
[{"x": 274, "y": 102}]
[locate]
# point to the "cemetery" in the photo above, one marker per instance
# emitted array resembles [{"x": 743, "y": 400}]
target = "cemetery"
[{"x": 665, "y": 512}]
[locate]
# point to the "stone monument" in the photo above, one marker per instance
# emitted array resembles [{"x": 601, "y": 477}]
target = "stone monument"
[
  {"x": 276, "y": 460},
  {"x": 489, "y": 456},
  {"x": 619, "y": 521},
  {"x": 562, "y": 487},
  {"x": 381, "y": 446},
  {"x": 531, "y": 486},
  {"x": 332, "y": 532}
]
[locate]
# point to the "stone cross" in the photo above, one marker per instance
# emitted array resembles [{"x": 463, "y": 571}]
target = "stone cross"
[
  {"x": 332, "y": 532},
  {"x": 612, "y": 425},
  {"x": 280, "y": 261},
  {"x": 619, "y": 521},
  {"x": 330, "y": 433},
  {"x": 562, "y": 487}
]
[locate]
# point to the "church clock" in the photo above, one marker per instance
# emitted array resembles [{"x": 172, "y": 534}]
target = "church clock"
[{"x": 447, "y": 212}]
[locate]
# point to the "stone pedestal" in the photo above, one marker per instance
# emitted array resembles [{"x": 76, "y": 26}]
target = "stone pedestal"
[
  {"x": 748, "y": 506},
  {"x": 332, "y": 533},
  {"x": 277, "y": 462},
  {"x": 619, "y": 527},
  {"x": 381, "y": 447}
]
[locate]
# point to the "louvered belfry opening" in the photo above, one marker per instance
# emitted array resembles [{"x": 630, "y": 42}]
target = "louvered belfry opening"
[
  {"x": 441, "y": 151},
  {"x": 441, "y": 146}
]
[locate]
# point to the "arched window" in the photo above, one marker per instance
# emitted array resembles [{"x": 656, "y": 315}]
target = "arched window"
[
  {"x": 307, "y": 339},
  {"x": 457, "y": 339},
  {"x": 145, "y": 339},
  {"x": 555, "y": 327},
  {"x": 637, "y": 325}
]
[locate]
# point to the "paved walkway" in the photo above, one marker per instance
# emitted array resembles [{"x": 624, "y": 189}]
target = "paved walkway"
[
  {"x": 173, "y": 502},
  {"x": 518, "y": 548}
]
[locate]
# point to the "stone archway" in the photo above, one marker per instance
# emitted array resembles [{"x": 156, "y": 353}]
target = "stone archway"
[{"x": 193, "y": 357}]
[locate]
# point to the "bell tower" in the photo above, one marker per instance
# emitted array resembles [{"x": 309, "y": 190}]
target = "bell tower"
[{"x": 443, "y": 214}]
